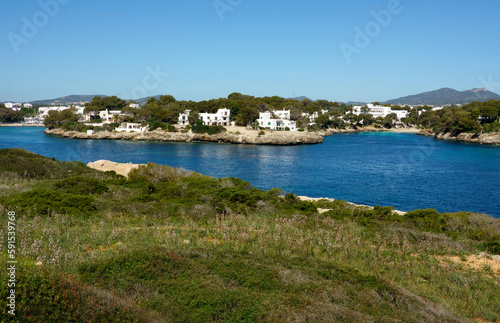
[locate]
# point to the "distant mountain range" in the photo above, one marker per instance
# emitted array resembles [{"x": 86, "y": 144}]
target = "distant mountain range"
[
  {"x": 70, "y": 99},
  {"x": 446, "y": 96},
  {"x": 301, "y": 98}
]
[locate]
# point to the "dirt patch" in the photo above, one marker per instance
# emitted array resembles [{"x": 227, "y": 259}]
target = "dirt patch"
[
  {"x": 119, "y": 168},
  {"x": 478, "y": 262}
]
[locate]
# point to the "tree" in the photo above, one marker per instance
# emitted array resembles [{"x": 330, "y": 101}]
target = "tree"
[
  {"x": 235, "y": 96},
  {"x": 193, "y": 118},
  {"x": 389, "y": 120},
  {"x": 56, "y": 119},
  {"x": 247, "y": 116},
  {"x": 9, "y": 115},
  {"x": 164, "y": 100},
  {"x": 323, "y": 120}
]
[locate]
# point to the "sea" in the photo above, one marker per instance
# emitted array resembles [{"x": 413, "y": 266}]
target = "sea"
[{"x": 403, "y": 170}]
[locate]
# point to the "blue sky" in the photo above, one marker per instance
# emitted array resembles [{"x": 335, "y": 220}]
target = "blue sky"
[{"x": 261, "y": 48}]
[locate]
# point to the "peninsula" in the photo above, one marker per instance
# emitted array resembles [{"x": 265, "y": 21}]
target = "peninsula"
[{"x": 240, "y": 136}]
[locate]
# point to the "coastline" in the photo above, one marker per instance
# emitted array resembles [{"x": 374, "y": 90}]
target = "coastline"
[
  {"x": 125, "y": 168},
  {"x": 320, "y": 211},
  {"x": 244, "y": 137},
  {"x": 331, "y": 131},
  {"x": 20, "y": 125},
  {"x": 492, "y": 138},
  {"x": 233, "y": 135}
]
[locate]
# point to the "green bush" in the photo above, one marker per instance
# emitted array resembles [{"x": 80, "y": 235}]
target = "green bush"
[
  {"x": 81, "y": 186},
  {"x": 57, "y": 297},
  {"x": 29, "y": 165},
  {"x": 211, "y": 130},
  {"x": 428, "y": 220},
  {"x": 155, "y": 124},
  {"x": 45, "y": 201},
  {"x": 261, "y": 133},
  {"x": 493, "y": 247}
]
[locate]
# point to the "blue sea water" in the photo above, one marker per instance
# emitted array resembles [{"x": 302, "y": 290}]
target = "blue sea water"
[{"x": 402, "y": 170}]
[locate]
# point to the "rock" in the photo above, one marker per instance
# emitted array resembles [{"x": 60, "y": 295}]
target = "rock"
[
  {"x": 270, "y": 138},
  {"x": 492, "y": 138}
]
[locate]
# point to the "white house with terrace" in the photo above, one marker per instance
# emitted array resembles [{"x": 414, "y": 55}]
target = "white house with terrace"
[
  {"x": 267, "y": 120},
  {"x": 313, "y": 116},
  {"x": 184, "y": 118},
  {"x": 221, "y": 118},
  {"x": 131, "y": 127},
  {"x": 379, "y": 111}
]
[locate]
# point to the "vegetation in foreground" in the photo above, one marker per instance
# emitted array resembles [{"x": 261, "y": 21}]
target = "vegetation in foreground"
[{"x": 170, "y": 245}]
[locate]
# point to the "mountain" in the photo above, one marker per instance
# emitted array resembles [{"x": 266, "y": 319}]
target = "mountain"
[
  {"x": 70, "y": 99},
  {"x": 301, "y": 98},
  {"x": 142, "y": 101},
  {"x": 446, "y": 96},
  {"x": 355, "y": 103}
]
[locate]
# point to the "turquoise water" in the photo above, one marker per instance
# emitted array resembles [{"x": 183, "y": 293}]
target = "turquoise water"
[{"x": 402, "y": 170}]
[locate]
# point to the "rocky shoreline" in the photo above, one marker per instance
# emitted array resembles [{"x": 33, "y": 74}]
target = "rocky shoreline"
[
  {"x": 483, "y": 139},
  {"x": 234, "y": 135},
  {"x": 248, "y": 137}
]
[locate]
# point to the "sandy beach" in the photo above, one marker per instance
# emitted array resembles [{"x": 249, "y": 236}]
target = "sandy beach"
[{"x": 119, "y": 168}]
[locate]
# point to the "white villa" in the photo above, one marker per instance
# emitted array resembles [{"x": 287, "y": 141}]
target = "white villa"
[
  {"x": 184, "y": 118},
  {"x": 221, "y": 118},
  {"x": 380, "y": 111},
  {"x": 282, "y": 114},
  {"x": 131, "y": 127},
  {"x": 134, "y": 105},
  {"x": 44, "y": 111},
  {"x": 267, "y": 120},
  {"x": 313, "y": 116}
]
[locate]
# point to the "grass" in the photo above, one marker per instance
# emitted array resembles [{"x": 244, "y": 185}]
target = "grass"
[{"x": 173, "y": 245}]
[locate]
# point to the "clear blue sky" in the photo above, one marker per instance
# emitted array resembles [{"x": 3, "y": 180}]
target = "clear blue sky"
[{"x": 260, "y": 48}]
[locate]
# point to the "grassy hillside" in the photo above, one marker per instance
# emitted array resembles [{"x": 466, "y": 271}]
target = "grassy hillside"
[{"x": 170, "y": 245}]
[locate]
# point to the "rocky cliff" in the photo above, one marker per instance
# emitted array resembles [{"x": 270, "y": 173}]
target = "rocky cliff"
[
  {"x": 269, "y": 138},
  {"x": 485, "y": 138}
]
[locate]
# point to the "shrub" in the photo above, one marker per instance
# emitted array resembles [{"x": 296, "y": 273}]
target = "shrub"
[
  {"x": 81, "y": 186},
  {"x": 492, "y": 247},
  {"x": 45, "y": 201},
  {"x": 57, "y": 297},
  {"x": 261, "y": 133},
  {"x": 428, "y": 220},
  {"x": 157, "y": 173},
  {"x": 211, "y": 130},
  {"x": 155, "y": 124},
  {"x": 29, "y": 165}
]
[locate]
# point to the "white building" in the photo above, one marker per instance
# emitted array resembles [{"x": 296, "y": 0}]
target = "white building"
[
  {"x": 28, "y": 105},
  {"x": 131, "y": 127},
  {"x": 13, "y": 106},
  {"x": 379, "y": 111},
  {"x": 313, "y": 116},
  {"x": 267, "y": 120},
  {"x": 44, "y": 111},
  {"x": 282, "y": 114},
  {"x": 184, "y": 118},
  {"x": 134, "y": 105},
  {"x": 109, "y": 116},
  {"x": 221, "y": 118}
]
